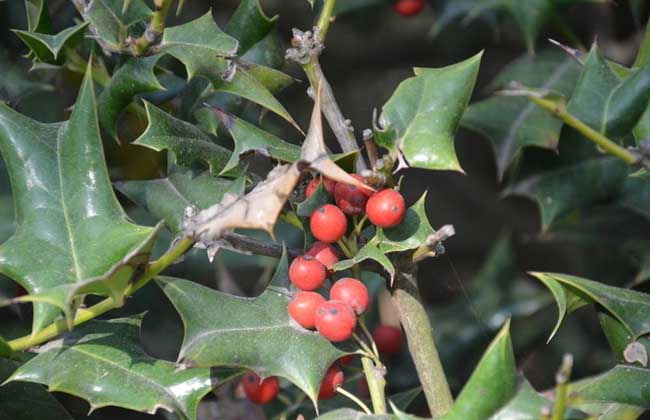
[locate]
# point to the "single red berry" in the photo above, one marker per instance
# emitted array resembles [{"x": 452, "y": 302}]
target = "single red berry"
[
  {"x": 329, "y": 184},
  {"x": 351, "y": 199},
  {"x": 258, "y": 391},
  {"x": 311, "y": 187},
  {"x": 333, "y": 379},
  {"x": 328, "y": 223},
  {"x": 352, "y": 292},
  {"x": 324, "y": 252},
  {"x": 409, "y": 7},
  {"x": 303, "y": 308},
  {"x": 386, "y": 208},
  {"x": 307, "y": 273},
  {"x": 335, "y": 320},
  {"x": 388, "y": 339},
  {"x": 346, "y": 360}
]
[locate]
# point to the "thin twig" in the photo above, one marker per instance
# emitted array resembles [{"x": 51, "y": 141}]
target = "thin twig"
[
  {"x": 154, "y": 29},
  {"x": 354, "y": 398}
]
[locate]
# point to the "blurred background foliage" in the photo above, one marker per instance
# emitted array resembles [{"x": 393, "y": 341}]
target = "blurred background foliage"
[{"x": 481, "y": 279}]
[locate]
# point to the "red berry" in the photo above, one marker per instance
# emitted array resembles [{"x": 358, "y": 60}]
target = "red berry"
[
  {"x": 303, "y": 308},
  {"x": 330, "y": 184},
  {"x": 325, "y": 253},
  {"x": 409, "y": 7},
  {"x": 388, "y": 339},
  {"x": 333, "y": 379},
  {"x": 335, "y": 320},
  {"x": 386, "y": 208},
  {"x": 307, "y": 273},
  {"x": 351, "y": 199},
  {"x": 346, "y": 360},
  {"x": 260, "y": 392},
  {"x": 311, "y": 187},
  {"x": 328, "y": 223},
  {"x": 352, "y": 292}
]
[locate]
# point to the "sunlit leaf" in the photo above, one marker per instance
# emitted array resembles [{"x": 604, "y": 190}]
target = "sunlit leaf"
[
  {"x": 257, "y": 333},
  {"x": 103, "y": 363}
]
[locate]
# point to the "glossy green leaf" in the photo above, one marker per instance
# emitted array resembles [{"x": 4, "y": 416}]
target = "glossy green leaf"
[
  {"x": 273, "y": 80},
  {"x": 626, "y": 348},
  {"x": 103, "y": 363},
  {"x": 560, "y": 191},
  {"x": 38, "y": 16},
  {"x": 498, "y": 361},
  {"x": 250, "y": 138},
  {"x": 371, "y": 251},
  {"x": 423, "y": 114},
  {"x": 605, "y": 101},
  {"x": 72, "y": 235},
  {"x": 249, "y": 24},
  {"x": 257, "y": 333},
  {"x": 135, "y": 77},
  {"x": 112, "y": 24},
  {"x": 622, "y": 384},
  {"x": 629, "y": 307},
  {"x": 188, "y": 143},
  {"x": 45, "y": 47},
  {"x": 167, "y": 198},
  {"x": 319, "y": 198},
  {"x": 513, "y": 123},
  {"x": 199, "y": 37},
  {"x": 25, "y": 401}
]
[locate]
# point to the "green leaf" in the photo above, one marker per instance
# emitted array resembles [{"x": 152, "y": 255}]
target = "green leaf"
[
  {"x": 249, "y": 138},
  {"x": 629, "y": 307},
  {"x": 560, "y": 191},
  {"x": 225, "y": 330},
  {"x": 319, "y": 198},
  {"x": 194, "y": 42},
  {"x": 635, "y": 195},
  {"x": 46, "y": 48},
  {"x": 498, "y": 361},
  {"x": 24, "y": 401},
  {"x": 72, "y": 235},
  {"x": 530, "y": 16},
  {"x": 424, "y": 112},
  {"x": 38, "y": 16},
  {"x": 16, "y": 83},
  {"x": 411, "y": 233},
  {"x": 620, "y": 341},
  {"x": 110, "y": 23},
  {"x": 623, "y": 384},
  {"x": 188, "y": 143},
  {"x": 167, "y": 198},
  {"x": 249, "y": 24},
  {"x": 370, "y": 251},
  {"x": 103, "y": 363},
  {"x": 133, "y": 78},
  {"x": 605, "y": 101},
  {"x": 513, "y": 123}
]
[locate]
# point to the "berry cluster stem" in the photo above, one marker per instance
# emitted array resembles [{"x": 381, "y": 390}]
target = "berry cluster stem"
[{"x": 375, "y": 377}]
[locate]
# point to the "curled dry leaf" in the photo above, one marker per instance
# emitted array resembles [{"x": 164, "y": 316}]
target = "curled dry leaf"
[{"x": 315, "y": 155}]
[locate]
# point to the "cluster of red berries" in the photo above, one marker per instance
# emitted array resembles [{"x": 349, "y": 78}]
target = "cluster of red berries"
[{"x": 409, "y": 7}]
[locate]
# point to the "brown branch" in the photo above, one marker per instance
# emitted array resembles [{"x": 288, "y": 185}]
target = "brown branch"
[{"x": 243, "y": 243}]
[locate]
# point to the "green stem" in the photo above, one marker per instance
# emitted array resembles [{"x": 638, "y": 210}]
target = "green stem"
[
  {"x": 364, "y": 328},
  {"x": 105, "y": 305},
  {"x": 325, "y": 18},
  {"x": 416, "y": 324},
  {"x": 354, "y": 398},
  {"x": 344, "y": 248},
  {"x": 609, "y": 146},
  {"x": 562, "y": 379},
  {"x": 376, "y": 383},
  {"x": 154, "y": 29}
]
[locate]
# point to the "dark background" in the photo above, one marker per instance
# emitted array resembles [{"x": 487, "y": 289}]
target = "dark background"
[{"x": 368, "y": 53}]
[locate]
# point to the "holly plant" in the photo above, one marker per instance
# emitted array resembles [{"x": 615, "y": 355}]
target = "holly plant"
[{"x": 338, "y": 303}]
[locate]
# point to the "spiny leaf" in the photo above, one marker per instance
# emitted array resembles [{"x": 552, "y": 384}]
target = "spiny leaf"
[
  {"x": 103, "y": 363},
  {"x": 511, "y": 123},
  {"x": 110, "y": 23},
  {"x": 248, "y": 137},
  {"x": 38, "y": 17},
  {"x": 46, "y": 48},
  {"x": 371, "y": 251},
  {"x": 72, "y": 235},
  {"x": 622, "y": 384},
  {"x": 258, "y": 334},
  {"x": 560, "y": 191},
  {"x": 24, "y": 401},
  {"x": 249, "y": 24},
  {"x": 605, "y": 100},
  {"x": 626, "y": 348},
  {"x": 629, "y": 307},
  {"x": 133, "y": 78},
  {"x": 422, "y": 116},
  {"x": 188, "y": 143},
  {"x": 167, "y": 198}
]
